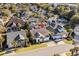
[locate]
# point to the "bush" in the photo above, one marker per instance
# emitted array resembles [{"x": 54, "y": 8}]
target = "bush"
[
  {"x": 68, "y": 54},
  {"x": 68, "y": 41}
]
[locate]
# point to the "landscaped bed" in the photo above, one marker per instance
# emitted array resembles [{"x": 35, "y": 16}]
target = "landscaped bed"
[
  {"x": 68, "y": 41},
  {"x": 68, "y": 54}
]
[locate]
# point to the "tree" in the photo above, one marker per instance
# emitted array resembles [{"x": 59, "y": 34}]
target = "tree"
[
  {"x": 2, "y": 29},
  {"x": 13, "y": 8},
  {"x": 1, "y": 41},
  {"x": 29, "y": 34},
  {"x": 15, "y": 44},
  {"x": 69, "y": 37},
  {"x": 19, "y": 26},
  {"x": 25, "y": 7},
  {"x": 72, "y": 51},
  {"x": 70, "y": 14},
  {"x": 75, "y": 19},
  {"x": 27, "y": 26},
  {"x": 61, "y": 9},
  {"x": 50, "y": 8},
  {"x": 16, "y": 14},
  {"x": 26, "y": 42},
  {"x": 68, "y": 28},
  {"x": 76, "y": 50},
  {"x": 6, "y": 12}
]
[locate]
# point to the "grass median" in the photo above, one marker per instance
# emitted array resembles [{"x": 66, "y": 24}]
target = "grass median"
[{"x": 32, "y": 47}]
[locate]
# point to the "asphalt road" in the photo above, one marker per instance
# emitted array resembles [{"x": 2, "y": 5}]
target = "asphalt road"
[{"x": 48, "y": 51}]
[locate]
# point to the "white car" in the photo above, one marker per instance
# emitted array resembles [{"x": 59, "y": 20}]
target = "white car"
[
  {"x": 46, "y": 38},
  {"x": 42, "y": 39}
]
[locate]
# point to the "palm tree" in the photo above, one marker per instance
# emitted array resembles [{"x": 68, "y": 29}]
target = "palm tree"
[{"x": 1, "y": 41}]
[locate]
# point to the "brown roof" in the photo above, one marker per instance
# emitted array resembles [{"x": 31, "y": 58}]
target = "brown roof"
[
  {"x": 42, "y": 31},
  {"x": 15, "y": 20}
]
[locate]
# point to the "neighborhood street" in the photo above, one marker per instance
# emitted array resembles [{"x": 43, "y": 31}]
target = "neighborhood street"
[{"x": 47, "y": 51}]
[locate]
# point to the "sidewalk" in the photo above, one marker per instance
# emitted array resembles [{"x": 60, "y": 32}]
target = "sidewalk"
[
  {"x": 61, "y": 43},
  {"x": 63, "y": 54},
  {"x": 51, "y": 44}
]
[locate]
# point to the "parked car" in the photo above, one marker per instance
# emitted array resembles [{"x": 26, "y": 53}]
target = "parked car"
[
  {"x": 46, "y": 38},
  {"x": 57, "y": 40},
  {"x": 58, "y": 37}
]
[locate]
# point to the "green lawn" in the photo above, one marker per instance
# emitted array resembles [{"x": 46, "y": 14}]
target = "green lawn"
[{"x": 32, "y": 47}]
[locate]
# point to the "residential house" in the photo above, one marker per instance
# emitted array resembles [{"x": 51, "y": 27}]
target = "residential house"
[
  {"x": 15, "y": 24},
  {"x": 35, "y": 23},
  {"x": 23, "y": 15},
  {"x": 41, "y": 34},
  {"x": 76, "y": 33},
  {"x": 53, "y": 21},
  {"x": 33, "y": 8},
  {"x": 42, "y": 25},
  {"x": 59, "y": 37},
  {"x": 60, "y": 29},
  {"x": 50, "y": 20},
  {"x": 18, "y": 36},
  {"x": 76, "y": 30},
  {"x": 61, "y": 20}
]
